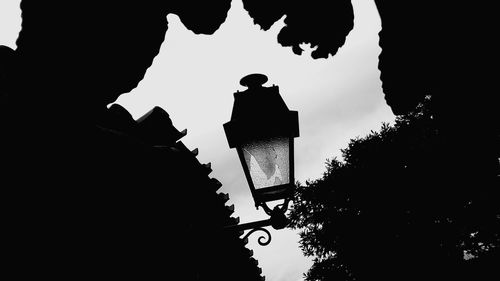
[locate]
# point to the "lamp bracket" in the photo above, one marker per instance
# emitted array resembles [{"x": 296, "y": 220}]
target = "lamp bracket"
[{"x": 278, "y": 220}]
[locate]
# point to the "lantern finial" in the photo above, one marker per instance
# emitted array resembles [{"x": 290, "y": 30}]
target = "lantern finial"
[{"x": 255, "y": 80}]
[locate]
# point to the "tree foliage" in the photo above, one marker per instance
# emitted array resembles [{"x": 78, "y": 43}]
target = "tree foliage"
[
  {"x": 397, "y": 207},
  {"x": 323, "y": 25}
]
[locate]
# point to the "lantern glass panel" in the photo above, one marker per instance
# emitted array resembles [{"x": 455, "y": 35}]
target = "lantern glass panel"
[{"x": 268, "y": 161}]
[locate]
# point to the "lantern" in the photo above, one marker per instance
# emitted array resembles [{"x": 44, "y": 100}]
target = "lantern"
[{"x": 262, "y": 130}]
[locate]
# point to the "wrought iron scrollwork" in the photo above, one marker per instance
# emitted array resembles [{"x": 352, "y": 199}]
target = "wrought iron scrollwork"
[
  {"x": 277, "y": 220},
  {"x": 262, "y": 240}
]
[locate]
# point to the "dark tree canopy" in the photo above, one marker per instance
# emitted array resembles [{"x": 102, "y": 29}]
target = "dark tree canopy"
[
  {"x": 201, "y": 17},
  {"x": 444, "y": 50},
  {"x": 432, "y": 48},
  {"x": 396, "y": 208},
  {"x": 104, "y": 47},
  {"x": 427, "y": 46},
  {"x": 436, "y": 48},
  {"x": 323, "y": 24}
]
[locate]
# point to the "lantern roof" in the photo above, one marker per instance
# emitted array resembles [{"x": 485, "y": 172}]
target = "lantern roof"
[{"x": 259, "y": 112}]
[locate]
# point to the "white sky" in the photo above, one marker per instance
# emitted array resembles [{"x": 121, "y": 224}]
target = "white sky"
[{"x": 194, "y": 78}]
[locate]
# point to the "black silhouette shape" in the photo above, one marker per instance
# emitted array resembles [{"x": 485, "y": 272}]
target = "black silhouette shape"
[
  {"x": 87, "y": 191},
  {"x": 432, "y": 48},
  {"x": 428, "y": 48},
  {"x": 201, "y": 17},
  {"x": 324, "y": 25},
  {"x": 7, "y": 56},
  {"x": 391, "y": 210},
  {"x": 83, "y": 184},
  {"x": 72, "y": 61}
]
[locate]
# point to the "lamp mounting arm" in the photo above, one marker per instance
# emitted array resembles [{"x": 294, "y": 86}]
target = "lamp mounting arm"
[{"x": 278, "y": 220}]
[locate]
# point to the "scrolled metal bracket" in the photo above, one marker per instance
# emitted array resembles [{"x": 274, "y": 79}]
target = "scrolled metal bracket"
[
  {"x": 278, "y": 220},
  {"x": 262, "y": 240}
]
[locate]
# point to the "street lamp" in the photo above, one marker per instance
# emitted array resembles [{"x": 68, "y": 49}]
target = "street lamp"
[{"x": 262, "y": 130}]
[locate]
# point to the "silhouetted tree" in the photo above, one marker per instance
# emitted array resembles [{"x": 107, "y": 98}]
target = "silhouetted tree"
[
  {"x": 434, "y": 48},
  {"x": 441, "y": 159},
  {"x": 390, "y": 210},
  {"x": 324, "y": 25}
]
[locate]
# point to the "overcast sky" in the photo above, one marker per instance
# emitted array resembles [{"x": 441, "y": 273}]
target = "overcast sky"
[{"x": 194, "y": 78}]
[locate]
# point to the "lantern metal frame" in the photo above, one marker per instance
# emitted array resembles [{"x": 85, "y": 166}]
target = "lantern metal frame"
[
  {"x": 242, "y": 128},
  {"x": 270, "y": 193}
]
